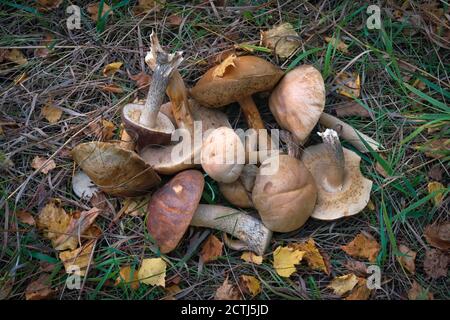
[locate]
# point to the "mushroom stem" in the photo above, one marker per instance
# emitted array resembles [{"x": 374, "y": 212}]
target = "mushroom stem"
[
  {"x": 251, "y": 113},
  {"x": 246, "y": 228},
  {"x": 165, "y": 65},
  {"x": 336, "y": 171}
]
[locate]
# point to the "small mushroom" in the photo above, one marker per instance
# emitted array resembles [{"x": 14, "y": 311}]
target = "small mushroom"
[
  {"x": 115, "y": 170},
  {"x": 342, "y": 190},
  {"x": 285, "y": 198},
  {"x": 239, "y": 80},
  {"x": 176, "y": 206},
  {"x": 223, "y": 155},
  {"x": 145, "y": 123},
  {"x": 238, "y": 192},
  {"x": 298, "y": 101}
]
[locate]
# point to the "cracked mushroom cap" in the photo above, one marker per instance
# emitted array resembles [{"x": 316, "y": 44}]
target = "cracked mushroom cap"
[
  {"x": 298, "y": 101},
  {"x": 115, "y": 170},
  {"x": 246, "y": 75},
  {"x": 172, "y": 207},
  {"x": 337, "y": 202},
  {"x": 285, "y": 199},
  {"x": 223, "y": 155}
]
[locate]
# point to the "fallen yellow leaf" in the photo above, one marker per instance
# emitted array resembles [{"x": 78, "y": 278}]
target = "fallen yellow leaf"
[
  {"x": 51, "y": 113},
  {"x": 251, "y": 257},
  {"x": 112, "y": 68},
  {"x": 221, "y": 69},
  {"x": 76, "y": 261},
  {"x": 283, "y": 39},
  {"x": 153, "y": 272},
  {"x": 285, "y": 259},
  {"x": 363, "y": 246},
  {"x": 436, "y": 186},
  {"x": 312, "y": 255},
  {"x": 349, "y": 84},
  {"x": 343, "y": 284},
  {"x": 43, "y": 164},
  {"x": 127, "y": 275},
  {"x": 360, "y": 292},
  {"x": 16, "y": 56},
  {"x": 337, "y": 44},
  {"x": 53, "y": 220},
  {"x": 250, "y": 285}
]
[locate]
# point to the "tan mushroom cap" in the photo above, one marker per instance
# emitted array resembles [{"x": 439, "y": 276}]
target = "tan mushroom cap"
[
  {"x": 286, "y": 198},
  {"x": 298, "y": 101},
  {"x": 115, "y": 170},
  {"x": 249, "y": 75},
  {"x": 239, "y": 192},
  {"x": 161, "y": 159},
  {"x": 223, "y": 155},
  {"x": 332, "y": 202}
]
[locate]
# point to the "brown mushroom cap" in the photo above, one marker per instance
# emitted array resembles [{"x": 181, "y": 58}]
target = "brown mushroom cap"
[
  {"x": 337, "y": 202},
  {"x": 285, "y": 199},
  {"x": 172, "y": 207},
  {"x": 115, "y": 170},
  {"x": 298, "y": 101},
  {"x": 223, "y": 155},
  {"x": 160, "y": 158},
  {"x": 249, "y": 75},
  {"x": 159, "y": 135},
  {"x": 238, "y": 192}
]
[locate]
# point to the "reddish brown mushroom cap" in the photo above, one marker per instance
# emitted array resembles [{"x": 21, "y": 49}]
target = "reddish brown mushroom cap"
[{"x": 172, "y": 207}]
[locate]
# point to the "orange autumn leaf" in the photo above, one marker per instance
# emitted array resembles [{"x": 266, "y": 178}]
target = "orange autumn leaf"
[
  {"x": 142, "y": 80},
  {"x": 129, "y": 276},
  {"x": 51, "y": 113},
  {"x": 221, "y": 69},
  {"x": 349, "y": 84},
  {"x": 211, "y": 250},
  {"x": 250, "y": 285},
  {"x": 25, "y": 217},
  {"x": 47, "y": 5},
  {"x": 313, "y": 256},
  {"x": 363, "y": 246},
  {"x": 360, "y": 292},
  {"x": 111, "y": 69}
]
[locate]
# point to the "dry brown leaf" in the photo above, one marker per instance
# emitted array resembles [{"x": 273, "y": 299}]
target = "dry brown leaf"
[
  {"x": 435, "y": 263},
  {"x": 153, "y": 272},
  {"x": 418, "y": 293},
  {"x": 171, "y": 292},
  {"x": 227, "y": 291},
  {"x": 283, "y": 39},
  {"x": 6, "y": 286},
  {"x": 363, "y": 246},
  {"x": 76, "y": 229},
  {"x": 142, "y": 80},
  {"x": 357, "y": 267},
  {"x": 76, "y": 261},
  {"x": 144, "y": 6},
  {"x": 435, "y": 149},
  {"x": 360, "y": 292},
  {"x": 93, "y": 10},
  {"x": 343, "y": 284},
  {"x": 51, "y": 113},
  {"x": 53, "y": 220},
  {"x": 250, "y": 285},
  {"x": 251, "y": 257},
  {"x": 438, "y": 235},
  {"x": 349, "y": 84},
  {"x": 174, "y": 20},
  {"x": 16, "y": 56},
  {"x": 221, "y": 69},
  {"x": 102, "y": 130},
  {"x": 351, "y": 108},
  {"x": 338, "y": 44},
  {"x": 211, "y": 249},
  {"x": 379, "y": 168},
  {"x": 312, "y": 255},
  {"x": 47, "y": 5},
  {"x": 136, "y": 207},
  {"x": 46, "y": 165},
  {"x": 113, "y": 88},
  {"x": 439, "y": 188},
  {"x": 436, "y": 172},
  {"x": 111, "y": 69},
  {"x": 25, "y": 217},
  {"x": 129, "y": 276},
  {"x": 407, "y": 260},
  {"x": 46, "y": 41},
  {"x": 285, "y": 259},
  {"x": 99, "y": 200},
  {"x": 40, "y": 289},
  {"x": 20, "y": 78}
]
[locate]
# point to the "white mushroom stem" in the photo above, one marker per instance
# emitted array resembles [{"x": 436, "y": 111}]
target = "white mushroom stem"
[
  {"x": 349, "y": 133},
  {"x": 166, "y": 64},
  {"x": 336, "y": 169},
  {"x": 251, "y": 231}
]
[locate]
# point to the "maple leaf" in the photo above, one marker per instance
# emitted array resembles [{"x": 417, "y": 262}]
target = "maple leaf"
[
  {"x": 251, "y": 257},
  {"x": 128, "y": 275},
  {"x": 153, "y": 272},
  {"x": 43, "y": 165},
  {"x": 438, "y": 235},
  {"x": 285, "y": 259},
  {"x": 39, "y": 289},
  {"x": 283, "y": 39},
  {"x": 312, "y": 255},
  {"x": 111, "y": 69},
  {"x": 407, "y": 258},
  {"x": 363, "y": 246},
  {"x": 211, "y": 249},
  {"x": 343, "y": 284},
  {"x": 227, "y": 291},
  {"x": 250, "y": 285}
]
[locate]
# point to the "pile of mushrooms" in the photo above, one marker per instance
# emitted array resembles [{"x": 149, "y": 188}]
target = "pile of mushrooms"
[{"x": 282, "y": 189}]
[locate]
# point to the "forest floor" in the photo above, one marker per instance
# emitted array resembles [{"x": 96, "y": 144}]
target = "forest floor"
[{"x": 403, "y": 104}]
